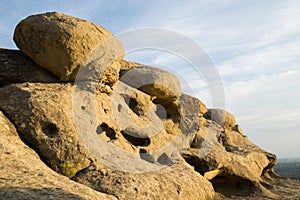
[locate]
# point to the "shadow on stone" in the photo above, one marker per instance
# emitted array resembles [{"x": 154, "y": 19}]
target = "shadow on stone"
[{"x": 36, "y": 193}]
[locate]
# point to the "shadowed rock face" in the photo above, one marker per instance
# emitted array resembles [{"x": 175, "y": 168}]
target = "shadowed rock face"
[
  {"x": 110, "y": 132},
  {"x": 16, "y": 67}
]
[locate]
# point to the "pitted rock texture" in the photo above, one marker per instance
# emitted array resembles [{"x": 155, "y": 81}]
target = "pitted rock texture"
[
  {"x": 224, "y": 157},
  {"x": 24, "y": 176}
]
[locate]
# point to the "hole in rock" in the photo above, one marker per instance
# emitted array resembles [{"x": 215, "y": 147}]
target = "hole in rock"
[
  {"x": 200, "y": 166},
  {"x": 161, "y": 112},
  {"x": 119, "y": 108},
  {"x": 49, "y": 128},
  {"x": 164, "y": 159},
  {"x": 133, "y": 105},
  {"x": 146, "y": 156},
  {"x": 136, "y": 141},
  {"x": 170, "y": 108},
  {"x": 231, "y": 185},
  {"x": 137, "y": 107},
  {"x": 109, "y": 132}
]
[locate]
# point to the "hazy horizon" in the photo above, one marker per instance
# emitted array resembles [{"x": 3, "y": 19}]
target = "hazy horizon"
[{"x": 255, "y": 47}]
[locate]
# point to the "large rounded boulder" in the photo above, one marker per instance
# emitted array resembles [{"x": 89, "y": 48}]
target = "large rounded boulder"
[
  {"x": 62, "y": 44},
  {"x": 153, "y": 81}
]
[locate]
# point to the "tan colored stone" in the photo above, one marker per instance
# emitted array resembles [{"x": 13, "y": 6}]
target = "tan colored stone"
[
  {"x": 212, "y": 174},
  {"x": 178, "y": 181},
  {"x": 46, "y": 123},
  {"x": 222, "y": 117},
  {"x": 226, "y": 157},
  {"x": 126, "y": 65},
  {"x": 27, "y": 177},
  {"x": 238, "y": 129},
  {"x": 62, "y": 44},
  {"x": 153, "y": 81}
]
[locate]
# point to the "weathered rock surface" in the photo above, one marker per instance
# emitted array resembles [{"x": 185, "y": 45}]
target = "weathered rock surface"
[
  {"x": 238, "y": 129},
  {"x": 52, "y": 133},
  {"x": 226, "y": 157},
  {"x": 16, "y": 67},
  {"x": 44, "y": 120},
  {"x": 178, "y": 181},
  {"x": 153, "y": 81},
  {"x": 62, "y": 44},
  {"x": 24, "y": 176},
  {"x": 221, "y": 117},
  {"x": 126, "y": 65}
]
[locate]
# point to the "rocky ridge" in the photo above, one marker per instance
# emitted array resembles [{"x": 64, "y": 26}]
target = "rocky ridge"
[{"x": 90, "y": 118}]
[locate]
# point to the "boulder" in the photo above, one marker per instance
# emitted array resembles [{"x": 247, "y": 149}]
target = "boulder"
[
  {"x": 63, "y": 44},
  {"x": 192, "y": 105},
  {"x": 16, "y": 67},
  {"x": 153, "y": 81},
  {"x": 221, "y": 117},
  {"x": 126, "y": 65},
  {"x": 238, "y": 129},
  {"x": 178, "y": 181},
  {"x": 24, "y": 176},
  {"x": 225, "y": 157}
]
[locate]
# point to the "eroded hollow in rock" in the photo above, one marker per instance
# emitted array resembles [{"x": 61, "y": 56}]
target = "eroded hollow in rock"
[
  {"x": 199, "y": 165},
  {"x": 171, "y": 109},
  {"x": 109, "y": 132},
  {"x": 137, "y": 141},
  {"x": 146, "y": 156},
  {"x": 49, "y": 128},
  {"x": 164, "y": 159},
  {"x": 230, "y": 185},
  {"x": 135, "y": 107}
]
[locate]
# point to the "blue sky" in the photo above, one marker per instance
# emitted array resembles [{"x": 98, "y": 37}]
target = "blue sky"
[{"x": 255, "y": 46}]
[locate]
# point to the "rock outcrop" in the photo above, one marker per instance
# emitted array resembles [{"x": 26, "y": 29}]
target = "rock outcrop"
[
  {"x": 62, "y": 44},
  {"x": 220, "y": 154},
  {"x": 221, "y": 117},
  {"x": 24, "y": 176},
  {"x": 119, "y": 127},
  {"x": 155, "y": 82}
]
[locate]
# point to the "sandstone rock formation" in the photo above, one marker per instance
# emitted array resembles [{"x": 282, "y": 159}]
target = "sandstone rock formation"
[
  {"x": 122, "y": 128},
  {"x": 221, "y": 117},
  {"x": 155, "y": 82},
  {"x": 62, "y": 44},
  {"x": 24, "y": 176},
  {"x": 218, "y": 153}
]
